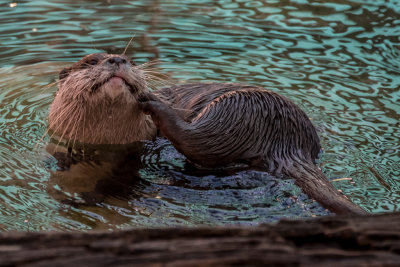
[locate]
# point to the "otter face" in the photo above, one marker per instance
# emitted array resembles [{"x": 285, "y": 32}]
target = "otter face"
[
  {"x": 96, "y": 101},
  {"x": 102, "y": 77}
]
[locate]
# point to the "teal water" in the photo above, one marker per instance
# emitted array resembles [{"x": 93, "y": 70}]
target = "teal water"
[{"x": 337, "y": 59}]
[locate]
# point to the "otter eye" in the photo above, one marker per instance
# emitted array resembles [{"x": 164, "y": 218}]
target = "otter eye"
[
  {"x": 63, "y": 74},
  {"x": 93, "y": 61}
]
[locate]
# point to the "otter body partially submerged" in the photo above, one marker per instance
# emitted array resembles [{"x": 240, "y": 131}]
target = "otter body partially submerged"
[{"x": 101, "y": 99}]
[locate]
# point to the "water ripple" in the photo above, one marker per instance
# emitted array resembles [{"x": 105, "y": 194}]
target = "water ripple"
[{"x": 337, "y": 59}]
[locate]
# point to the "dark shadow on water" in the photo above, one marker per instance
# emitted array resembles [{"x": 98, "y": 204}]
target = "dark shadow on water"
[{"x": 87, "y": 176}]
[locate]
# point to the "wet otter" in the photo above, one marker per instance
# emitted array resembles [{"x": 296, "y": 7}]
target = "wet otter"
[{"x": 101, "y": 99}]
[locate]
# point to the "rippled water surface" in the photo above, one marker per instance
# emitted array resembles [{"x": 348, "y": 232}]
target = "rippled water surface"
[{"x": 337, "y": 59}]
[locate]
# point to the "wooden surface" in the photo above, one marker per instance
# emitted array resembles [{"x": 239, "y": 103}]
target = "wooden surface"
[{"x": 328, "y": 241}]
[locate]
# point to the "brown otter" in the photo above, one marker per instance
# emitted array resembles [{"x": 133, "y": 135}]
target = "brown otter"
[{"x": 101, "y": 99}]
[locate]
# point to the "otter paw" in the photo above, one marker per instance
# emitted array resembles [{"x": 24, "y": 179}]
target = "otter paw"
[{"x": 146, "y": 102}]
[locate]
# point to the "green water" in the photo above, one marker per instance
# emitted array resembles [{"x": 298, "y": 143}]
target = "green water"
[{"x": 337, "y": 59}]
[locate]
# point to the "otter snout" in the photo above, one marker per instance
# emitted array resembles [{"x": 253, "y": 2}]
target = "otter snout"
[{"x": 115, "y": 60}]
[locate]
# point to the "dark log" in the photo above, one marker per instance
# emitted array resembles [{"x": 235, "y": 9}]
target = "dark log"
[{"x": 330, "y": 241}]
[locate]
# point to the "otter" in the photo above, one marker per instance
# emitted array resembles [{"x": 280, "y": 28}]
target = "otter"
[{"x": 105, "y": 99}]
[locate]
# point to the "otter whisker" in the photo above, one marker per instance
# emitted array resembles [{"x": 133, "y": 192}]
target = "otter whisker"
[
  {"x": 68, "y": 109},
  {"x": 65, "y": 131},
  {"x": 159, "y": 68},
  {"x": 56, "y": 132},
  {"x": 51, "y": 84},
  {"x": 147, "y": 64},
  {"x": 76, "y": 132},
  {"x": 94, "y": 47},
  {"x": 154, "y": 71},
  {"x": 155, "y": 86},
  {"x": 151, "y": 68},
  {"x": 64, "y": 110},
  {"x": 48, "y": 129},
  {"x": 155, "y": 68},
  {"x": 157, "y": 81},
  {"x": 130, "y": 41},
  {"x": 84, "y": 126},
  {"x": 41, "y": 138},
  {"x": 156, "y": 74},
  {"x": 155, "y": 78},
  {"x": 47, "y": 86},
  {"x": 152, "y": 87}
]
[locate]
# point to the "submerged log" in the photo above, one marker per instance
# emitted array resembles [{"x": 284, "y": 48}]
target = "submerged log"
[{"x": 330, "y": 241}]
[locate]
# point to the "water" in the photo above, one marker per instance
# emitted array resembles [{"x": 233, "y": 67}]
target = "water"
[{"x": 337, "y": 59}]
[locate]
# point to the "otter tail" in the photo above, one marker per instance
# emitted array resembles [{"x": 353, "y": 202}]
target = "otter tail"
[{"x": 317, "y": 186}]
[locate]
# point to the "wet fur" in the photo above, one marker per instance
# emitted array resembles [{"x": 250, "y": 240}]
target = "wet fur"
[
  {"x": 218, "y": 124},
  {"x": 212, "y": 124},
  {"x": 233, "y": 122}
]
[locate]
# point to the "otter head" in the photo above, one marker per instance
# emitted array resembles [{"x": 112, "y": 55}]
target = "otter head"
[{"x": 96, "y": 102}]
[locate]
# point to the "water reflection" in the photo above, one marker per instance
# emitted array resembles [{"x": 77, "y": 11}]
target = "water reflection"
[{"x": 337, "y": 59}]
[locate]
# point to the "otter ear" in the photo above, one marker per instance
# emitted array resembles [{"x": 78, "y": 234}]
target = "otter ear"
[{"x": 64, "y": 73}]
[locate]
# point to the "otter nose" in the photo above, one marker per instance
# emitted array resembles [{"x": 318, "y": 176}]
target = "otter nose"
[{"x": 116, "y": 60}]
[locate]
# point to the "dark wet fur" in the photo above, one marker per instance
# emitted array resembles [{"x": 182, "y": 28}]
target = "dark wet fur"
[
  {"x": 217, "y": 124},
  {"x": 232, "y": 122}
]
